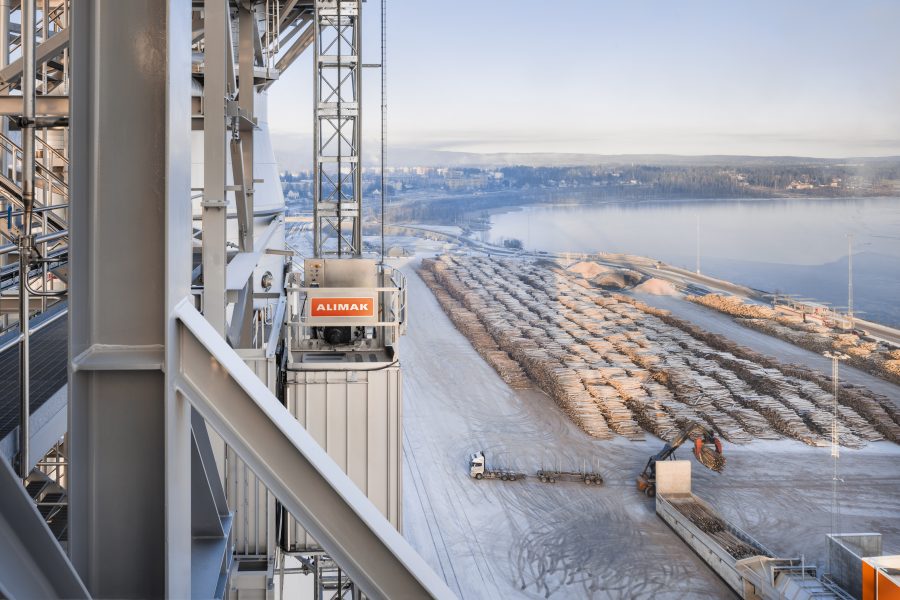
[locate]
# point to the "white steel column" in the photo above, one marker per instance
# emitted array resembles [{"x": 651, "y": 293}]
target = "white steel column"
[
  {"x": 129, "y": 432},
  {"x": 249, "y": 40},
  {"x": 216, "y": 24}
]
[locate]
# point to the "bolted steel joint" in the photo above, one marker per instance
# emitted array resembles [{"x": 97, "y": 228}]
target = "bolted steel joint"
[{"x": 28, "y": 250}]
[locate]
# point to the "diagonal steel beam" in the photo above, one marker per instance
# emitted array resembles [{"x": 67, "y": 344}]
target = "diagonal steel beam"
[
  {"x": 44, "y": 52},
  {"x": 32, "y": 563},
  {"x": 302, "y": 43},
  {"x": 285, "y": 457}
]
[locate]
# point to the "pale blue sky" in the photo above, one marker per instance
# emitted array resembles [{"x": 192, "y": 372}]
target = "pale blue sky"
[{"x": 810, "y": 77}]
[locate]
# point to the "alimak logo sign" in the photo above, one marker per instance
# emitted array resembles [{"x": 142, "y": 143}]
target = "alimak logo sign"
[{"x": 342, "y": 307}]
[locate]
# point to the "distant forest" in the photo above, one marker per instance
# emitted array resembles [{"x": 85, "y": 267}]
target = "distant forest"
[{"x": 458, "y": 195}]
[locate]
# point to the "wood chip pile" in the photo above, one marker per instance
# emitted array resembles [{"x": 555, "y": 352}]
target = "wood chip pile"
[{"x": 616, "y": 365}]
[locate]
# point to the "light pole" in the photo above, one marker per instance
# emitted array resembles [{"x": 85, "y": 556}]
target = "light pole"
[
  {"x": 835, "y": 357},
  {"x": 850, "y": 278},
  {"x": 698, "y": 244}
]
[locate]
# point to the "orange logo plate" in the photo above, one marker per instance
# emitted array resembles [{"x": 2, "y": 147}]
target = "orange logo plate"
[{"x": 342, "y": 307}]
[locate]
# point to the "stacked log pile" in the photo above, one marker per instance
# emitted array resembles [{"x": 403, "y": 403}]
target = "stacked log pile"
[
  {"x": 734, "y": 306},
  {"x": 715, "y": 527},
  {"x": 878, "y": 358},
  {"x": 858, "y": 404},
  {"x": 469, "y": 325},
  {"x": 616, "y": 365}
]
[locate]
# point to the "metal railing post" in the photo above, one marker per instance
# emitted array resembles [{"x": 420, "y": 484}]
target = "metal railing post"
[
  {"x": 4, "y": 61},
  {"x": 25, "y": 240}
]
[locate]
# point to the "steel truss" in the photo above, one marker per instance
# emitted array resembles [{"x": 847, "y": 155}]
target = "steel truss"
[
  {"x": 337, "y": 129},
  {"x": 329, "y": 581},
  {"x": 148, "y": 515}
]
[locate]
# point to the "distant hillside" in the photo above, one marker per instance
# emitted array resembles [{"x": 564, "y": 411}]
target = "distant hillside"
[{"x": 294, "y": 153}]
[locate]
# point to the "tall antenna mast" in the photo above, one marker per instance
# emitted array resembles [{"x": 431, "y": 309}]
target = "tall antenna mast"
[
  {"x": 698, "y": 244},
  {"x": 850, "y": 278},
  {"x": 383, "y": 112}
]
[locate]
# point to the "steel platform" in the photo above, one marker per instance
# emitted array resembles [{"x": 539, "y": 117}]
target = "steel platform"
[{"x": 49, "y": 355}]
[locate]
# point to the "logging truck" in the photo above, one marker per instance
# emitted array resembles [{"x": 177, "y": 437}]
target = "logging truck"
[{"x": 478, "y": 470}]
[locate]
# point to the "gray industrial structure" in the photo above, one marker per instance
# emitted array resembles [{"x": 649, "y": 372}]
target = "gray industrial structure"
[{"x": 217, "y": 405}]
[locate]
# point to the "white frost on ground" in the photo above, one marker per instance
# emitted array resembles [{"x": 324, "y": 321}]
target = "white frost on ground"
[{"x": 492, "y": 539}]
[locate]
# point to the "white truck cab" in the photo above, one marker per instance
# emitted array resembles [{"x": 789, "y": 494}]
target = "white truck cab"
[{"x": 476, "y": 465}]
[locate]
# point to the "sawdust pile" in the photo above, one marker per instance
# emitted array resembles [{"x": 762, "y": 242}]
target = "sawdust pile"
[
  {"x": 588, "y": 269},
  {"x": 657, "y": 287}
]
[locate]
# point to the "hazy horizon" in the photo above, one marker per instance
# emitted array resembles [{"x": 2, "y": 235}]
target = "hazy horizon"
[
  {"x": 693, "y": 78},
  {"x": 293, "y": 152}
]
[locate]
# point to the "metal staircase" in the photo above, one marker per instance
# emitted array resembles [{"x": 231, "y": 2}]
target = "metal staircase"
[
  {"x": 330, "y": 581},
  {"x": 51, "y": 183},
  {"x": 52, "y": 38}
]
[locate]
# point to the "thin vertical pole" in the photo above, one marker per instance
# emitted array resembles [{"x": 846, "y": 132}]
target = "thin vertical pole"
[
  {"x": 4, "y": 61},
  {"x": 25, "y": 239},
  {"x": 383, "y": 113},
  {"x": 356, "y": 148},
  {"x": 850, "y": 278},
  {"x": 698, "y": 244},
  {"x": 340, "y": 136},
  {"x": 317, "y": 136},
  {"x": 835, "y": 448}
]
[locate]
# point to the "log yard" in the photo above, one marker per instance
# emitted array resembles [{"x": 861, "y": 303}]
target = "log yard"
[
  {"x": 262, "y": 337},
  {"x": 581, "y": 365}
]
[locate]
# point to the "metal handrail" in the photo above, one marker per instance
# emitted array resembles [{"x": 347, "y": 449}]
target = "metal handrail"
[
  {"x": 34, "y": 329},
  {"x": 40, "y": 209},
  {"x": 15, "y": 150},
  {"x": 55, "y": 152},
  {"x": 52, "y": 16},
  {"x": 41, "y": 239}
]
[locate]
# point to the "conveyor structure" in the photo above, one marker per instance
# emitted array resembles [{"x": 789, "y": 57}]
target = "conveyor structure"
[{"x": 751, "y": 570}]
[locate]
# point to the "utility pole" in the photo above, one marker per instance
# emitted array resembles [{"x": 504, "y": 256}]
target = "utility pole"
[
  {"x": 850, "y": 278},
  {"x": 698, "y": 244},
  {"x": 835, "y": 357}
]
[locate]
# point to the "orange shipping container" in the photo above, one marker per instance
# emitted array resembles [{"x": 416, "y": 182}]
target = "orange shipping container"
[{"x": 881, "y": 578}]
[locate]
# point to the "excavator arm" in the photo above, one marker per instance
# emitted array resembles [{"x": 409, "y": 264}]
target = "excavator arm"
[{"x": 707, "y": 450}]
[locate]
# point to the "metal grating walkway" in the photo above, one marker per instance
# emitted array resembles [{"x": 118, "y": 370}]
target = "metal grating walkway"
[{"x": 49, "y": 355}]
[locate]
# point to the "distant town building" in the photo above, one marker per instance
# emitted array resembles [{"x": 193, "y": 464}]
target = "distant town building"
[{"x": 800, "y": 185}]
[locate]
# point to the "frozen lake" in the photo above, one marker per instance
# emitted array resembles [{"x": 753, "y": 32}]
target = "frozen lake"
[{"x": 793, "y": 246}]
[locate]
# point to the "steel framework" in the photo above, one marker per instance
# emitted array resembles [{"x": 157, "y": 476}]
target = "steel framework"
[
  {"x": 155, "y": 387},
  {"x": 337, "y": 135}
]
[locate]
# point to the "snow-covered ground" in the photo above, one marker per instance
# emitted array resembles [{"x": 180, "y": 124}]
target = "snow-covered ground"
[{"x": 493, "y": 539}]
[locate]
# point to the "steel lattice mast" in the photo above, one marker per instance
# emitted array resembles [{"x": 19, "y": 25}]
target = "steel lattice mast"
[{"x": 337, "y": 178}]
